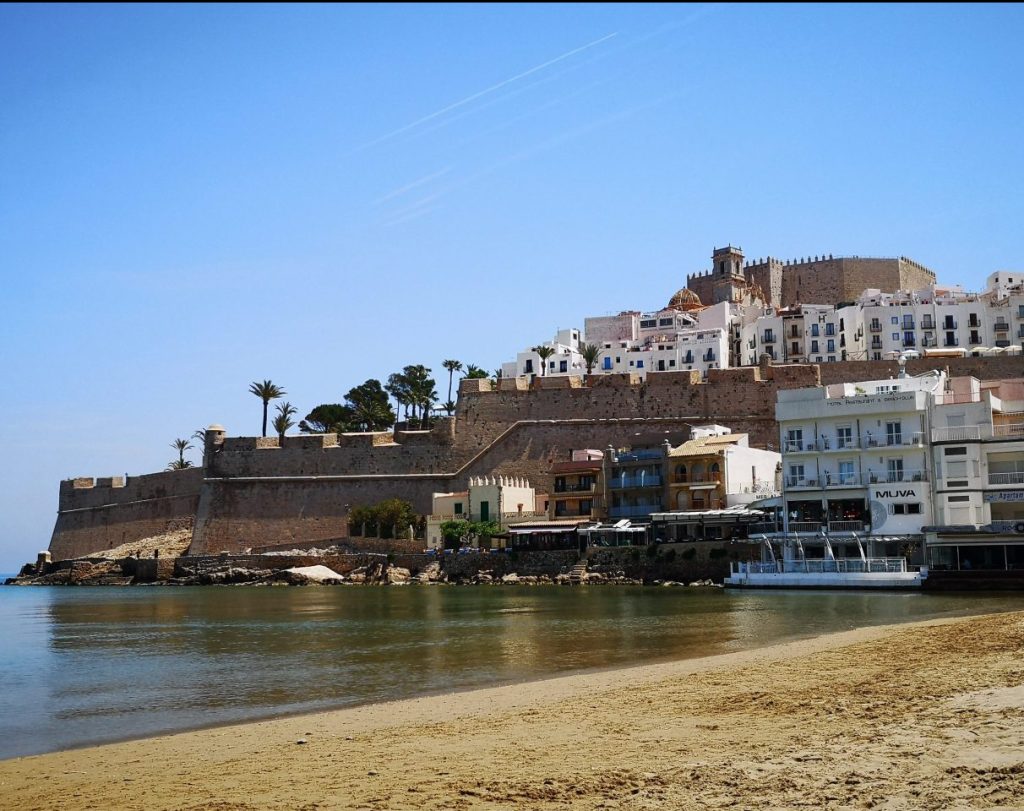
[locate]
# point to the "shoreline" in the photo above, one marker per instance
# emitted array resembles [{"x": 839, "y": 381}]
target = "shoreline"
[{"x": 541, "y": 715}]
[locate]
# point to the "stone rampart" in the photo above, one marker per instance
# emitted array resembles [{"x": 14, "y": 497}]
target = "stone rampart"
[
  {"x": 93, "y": 515},
  {"x": 261, "y": 492}
]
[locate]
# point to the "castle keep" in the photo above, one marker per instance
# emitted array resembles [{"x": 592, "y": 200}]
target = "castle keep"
[
  {"x": 256, "y": 491},
  {"x": 821, "y": 279}
]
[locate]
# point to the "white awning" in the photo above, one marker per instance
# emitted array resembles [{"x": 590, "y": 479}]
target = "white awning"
[{"x": 539, "y": 530}]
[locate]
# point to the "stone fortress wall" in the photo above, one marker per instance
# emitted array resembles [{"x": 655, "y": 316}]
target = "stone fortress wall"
[
  {"x": 257, "y": 491},
  {"x": 822, "y": 279}
]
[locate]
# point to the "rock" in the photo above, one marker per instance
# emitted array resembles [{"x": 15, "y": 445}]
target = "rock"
[
  {"x": 562, "y": 579},
  {"x": 397, "y": 575},
  {"x": 301, "y": 741},
  {"x": 594, "y": 577},
  {"x": 430, "y": 573},
  {"x": 511, "y": 579}
]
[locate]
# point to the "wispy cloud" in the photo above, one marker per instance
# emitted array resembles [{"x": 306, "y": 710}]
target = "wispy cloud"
[
  {"x": 481, "y": 93},
  {"x": 413, "y": 185}
]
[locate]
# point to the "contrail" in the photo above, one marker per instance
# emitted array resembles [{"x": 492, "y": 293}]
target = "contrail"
[
  {"x": 412, "y": 185},
  {"x": 491, "y": 89}
]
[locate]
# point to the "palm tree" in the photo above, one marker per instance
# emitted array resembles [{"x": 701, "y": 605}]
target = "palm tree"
[
  {"x": 180, "y": 445},
  {"x": 544, "y": 352},
  {"x": 283, "y": 421},
  {"x": 452, "y": 366},
  {"x": 266, "y": 391},
  {"x": 590, "y": 353},
  {"x": 475, "y": 372}
]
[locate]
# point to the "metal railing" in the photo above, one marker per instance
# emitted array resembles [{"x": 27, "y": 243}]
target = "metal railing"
[
  {"x": 805, "y": 526},
  {"x": 1016, "y": 477},
  {"x": 637, "y": 456},
  {"x": 845, "y": 526},
  {"x": 826, "y": 565},
  {"x": 704, "y": 479},
  {"x": 799, "y": 481},
  {"x": 634, "y": 511},
  {"x": 1001, "y": 326},
  {"x": 575, "y": 488},
  {"x": 1012, "y": 429},
  {"x": 653, "y": 480},
  {"x": 959, "y": 433}
]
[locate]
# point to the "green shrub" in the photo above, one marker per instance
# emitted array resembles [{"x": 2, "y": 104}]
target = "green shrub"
[{"x": 689, "y": 554}]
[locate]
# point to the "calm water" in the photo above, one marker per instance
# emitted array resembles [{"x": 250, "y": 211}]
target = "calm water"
[{"x": 89, "y": 665}]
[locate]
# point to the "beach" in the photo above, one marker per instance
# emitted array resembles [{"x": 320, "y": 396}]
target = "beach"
[{"x": 922, "y": 715}]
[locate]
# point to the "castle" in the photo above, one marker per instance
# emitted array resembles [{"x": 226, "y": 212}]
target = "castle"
[
  {"x": 821, "y": 279},
  {"x": 262, "y": 491}
]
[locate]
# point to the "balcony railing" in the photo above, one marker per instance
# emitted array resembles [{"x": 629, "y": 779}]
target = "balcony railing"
[
  {"x": 974, "y": 339},
  {"x": 768, "y": 338},
  {"x": 962, "y": 433},
  {"x": 842, "y": 479},
  {"x": 927, "y": 323},
  {"x": 953, "y": 342},
  {"x": 639, "y": 456},
  {"x": 1001, "y": 326},
  {"x": 1017, "y": 477},
  {"x": 636, "y": 481},
  {"x": 875, "y": 326},
  {"x": 892, "y": 476},
  {"x": 798, "y": 481},
  {"x": 915, "y": 439},
  {"x": 1012, "y": 430},
  {"x": 805, "y": 526},
  {"x": 703, "y": 479},
  {"x": 634, "y": 511},
  {"x": 949, "y": 323},
  {"x": 1006, "y": 526},
  {"x": 845, "y": 526},
  {"x": 574, "y": 488}
]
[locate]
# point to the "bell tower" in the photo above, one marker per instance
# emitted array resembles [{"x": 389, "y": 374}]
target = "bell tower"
[{"x": 728, "y": 283}]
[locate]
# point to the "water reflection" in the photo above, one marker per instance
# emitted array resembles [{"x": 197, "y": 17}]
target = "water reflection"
[{"x": 90, "y": 665}]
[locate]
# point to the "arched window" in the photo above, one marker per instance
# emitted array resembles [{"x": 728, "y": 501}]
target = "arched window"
[
  {"x": 715, "y": 469},
  {"x": 680, "y": 473}
]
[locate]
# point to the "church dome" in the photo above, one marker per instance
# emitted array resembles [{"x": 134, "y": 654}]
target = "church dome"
[{"x": 685, "y": 300}]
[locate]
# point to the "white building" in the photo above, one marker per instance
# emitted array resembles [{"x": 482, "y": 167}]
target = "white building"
[
  {"x": 977, "y": 444},
  {"x": 565, "y": 360},
  {"x": 855, "y": 458},
  {"x": 503, "y": 499}
]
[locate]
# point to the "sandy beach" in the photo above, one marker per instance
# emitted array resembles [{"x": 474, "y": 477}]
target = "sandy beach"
[{"x": 922, "y": 716}]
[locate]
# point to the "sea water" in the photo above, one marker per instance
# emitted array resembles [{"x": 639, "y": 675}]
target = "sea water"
[{"x": 88, "y": 665}]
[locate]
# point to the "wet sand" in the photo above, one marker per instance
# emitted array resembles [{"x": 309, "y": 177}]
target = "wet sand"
[{"x": 922, "y": 716}]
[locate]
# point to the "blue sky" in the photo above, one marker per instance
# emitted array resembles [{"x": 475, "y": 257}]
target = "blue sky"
[{"x": 193, "y": 198}]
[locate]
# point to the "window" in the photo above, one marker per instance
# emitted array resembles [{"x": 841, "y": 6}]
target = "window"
[
  {"x": 814, "y": 346},
  {"x": 896, "y": 336},
  {"x": 830, "y": 329},
  {"x": 639, "y": 364},
  {"x": 954, "y": 499},
  {"x": 648, "y": 323},
  {"x": 831, "y": 345},
  {"x": 665, "y": 322},
  {"x": 894, "y": 469},
  {"x": 844, "y": 436},
  {"x": 457, "y": 508},
  {"x": 818, "y": 359},
  {"x": 529, "y": 368},
  {"x": 956, "y": 470},
  {"x": 905, "y": 509},
  {"x": 846, "y": 473},
  {"x": 795, "y": 439},
  {"x": 893, "y": 433},
  {"x": 895, "y": 319},
  {"x": 796, "y": 348},
  {"x": 563, "y": 366},
  {"x": 672, "y": 363},
  {"x": 814, "y": 330},
  {"x": 618, "y": 359},
  {"x": 796, "y": 474},
  {"x": 606, "y": 363},
  {"x": 955, "y": 452},
  {"x": 551, "y": 365}
]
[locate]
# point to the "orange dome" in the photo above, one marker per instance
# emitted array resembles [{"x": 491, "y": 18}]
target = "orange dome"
[{"x": 685, "y": 300}]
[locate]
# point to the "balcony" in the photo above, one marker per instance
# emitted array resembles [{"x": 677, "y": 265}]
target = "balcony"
[
  {"x": 973, "y": 323},
  {"x": 951, "y": 342},
  {"x": 635, "y": 511},
  {"x": 927, "y": 323},
  {"x": 893, "y": 476},
  {"x": 805, "y": 526},
  {"x": 949, "y": 323},
  {"x": 1017, "y": 477},
  {"x": 876, "y": 344},
  {"x": 565, "y": 512},
  {"x": 799, "y": 481},
  {"x": 574, "y": 488},
  {"x": 626, "y": 482},
  {"x": 974, "y": 339},
  {"x": 875, "y": 327},
  {"x": 908, "y": 342},
  {"x": 640, "y": 456},
  {"x": 962, "y": 433},
  {"x": 845, "y": 526},
  {"x": 908, "y": 324},
  {"x": 768, "y": 338},
  {"x": 914, "y": 440},
  {"x": 1001, "y": 326},
  {"x": 833, "y": 480},
  {"x": 1008, "y": 430},
  {"x": 710, "y": 478}
]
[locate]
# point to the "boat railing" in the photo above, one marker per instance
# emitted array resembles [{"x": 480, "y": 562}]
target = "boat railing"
[{"x": 826, "y": 565}]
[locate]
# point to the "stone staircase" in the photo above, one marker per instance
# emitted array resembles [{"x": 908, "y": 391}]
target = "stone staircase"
[{"x": 578, "y": 573}]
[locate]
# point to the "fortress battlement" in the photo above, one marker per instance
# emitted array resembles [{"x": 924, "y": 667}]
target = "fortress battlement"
[{"x": 258, "y": 490}]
